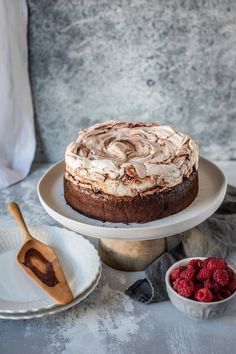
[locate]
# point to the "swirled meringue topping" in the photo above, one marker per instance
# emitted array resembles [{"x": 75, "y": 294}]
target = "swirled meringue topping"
[{"x": 127, "y": 158}]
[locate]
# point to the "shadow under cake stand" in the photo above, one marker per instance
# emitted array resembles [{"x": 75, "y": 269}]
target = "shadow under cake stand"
[{"x": 133, "y": 247}]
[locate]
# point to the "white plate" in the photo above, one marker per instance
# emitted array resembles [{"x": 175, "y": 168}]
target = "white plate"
[
  {"x": 77, "y": 256},
  {"x": 212, "y": 188},
  {"x": 51, "y": 311}
]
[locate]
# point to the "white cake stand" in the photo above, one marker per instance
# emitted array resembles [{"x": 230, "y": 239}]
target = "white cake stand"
[{"x": 133, "y": 246}]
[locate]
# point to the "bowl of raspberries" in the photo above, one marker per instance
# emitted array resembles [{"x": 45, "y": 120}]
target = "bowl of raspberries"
[{"x": 201, "y": 287}]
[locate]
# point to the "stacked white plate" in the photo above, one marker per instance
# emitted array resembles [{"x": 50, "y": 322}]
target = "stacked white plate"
[{"x": 20, "y": 296}]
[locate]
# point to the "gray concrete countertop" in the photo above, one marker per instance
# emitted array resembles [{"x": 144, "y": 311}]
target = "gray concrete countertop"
[{"x": 108, "y": 321}]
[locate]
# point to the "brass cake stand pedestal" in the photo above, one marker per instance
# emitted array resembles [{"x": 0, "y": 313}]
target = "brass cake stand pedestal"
[
  {"x": 133, "y": 247},
  {"x": 131, "y": 255}
]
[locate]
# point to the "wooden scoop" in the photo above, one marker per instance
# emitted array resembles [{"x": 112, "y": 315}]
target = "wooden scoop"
[{"x": 40, "y": 262}]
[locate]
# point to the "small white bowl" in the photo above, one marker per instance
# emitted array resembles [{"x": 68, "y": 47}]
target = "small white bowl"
[{"x": 192, "y": 308}]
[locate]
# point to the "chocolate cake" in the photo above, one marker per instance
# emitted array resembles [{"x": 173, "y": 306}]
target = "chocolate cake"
[{"x": 130, "y": 172}]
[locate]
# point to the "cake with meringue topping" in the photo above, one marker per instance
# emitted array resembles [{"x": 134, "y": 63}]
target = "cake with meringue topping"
[{"x": 130, "y": 172}]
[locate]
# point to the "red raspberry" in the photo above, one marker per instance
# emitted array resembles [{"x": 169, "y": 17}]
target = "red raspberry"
[
  {"x": 176, "y": 273},
  {"x": 204, "y": 274},
  {"x": 204, "y": 295},
  {"x": 205, "y": 262},
  {"x": 194, "y": 264},
  {"x": 188, "y": 274},
  {"x": 175, "y": 284},
  {"x": 232, "y": 284},
  {"x": 221, "y": 276},
  {"x": 224, "y": 293},
  {"x": 219, "y": 297},
  {"x": 197, "y": 287},
  {"x": 211, "y": 285},
  {"x": 200, "y": 263},
  {"x": 185, "y": 288},
  {"x": 230, "y": 272},
  {"x": 216, "y": 263},
  {"x": 215, "y": 297}
]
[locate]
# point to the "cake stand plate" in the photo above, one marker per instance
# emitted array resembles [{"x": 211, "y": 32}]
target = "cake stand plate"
[{"x": 114, "y": 246}]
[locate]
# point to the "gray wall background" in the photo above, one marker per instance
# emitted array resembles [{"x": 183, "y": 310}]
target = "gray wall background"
[{"x": 170, "y": 61}]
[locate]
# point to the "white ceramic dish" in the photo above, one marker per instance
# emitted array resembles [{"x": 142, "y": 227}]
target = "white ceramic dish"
[
  {"x": 196, "y": 309},
  {"x": 19, "y": 293},
  {"x": 212, "y": 188},
  {"x": 53, "y": 310}
]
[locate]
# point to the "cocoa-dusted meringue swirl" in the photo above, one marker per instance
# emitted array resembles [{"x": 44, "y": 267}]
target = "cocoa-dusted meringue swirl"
[{"x": 127, "y": 158}]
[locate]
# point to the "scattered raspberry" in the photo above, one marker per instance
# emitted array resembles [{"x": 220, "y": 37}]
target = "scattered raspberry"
[
  {"x": 211, "y": 285},
  {"x": 204, "y": 295},
  {"x": 185, "y": 288},
  {"x": 216, "y": 263},
  {"x": 204, "y": 274},
  {"x": 232, "y": 284},
  {"x": 188, "y": 274},
  {"x": 176, "y": 273},
  {"x": 194, "y": 264},
  {"x": 221, "y": 276}
]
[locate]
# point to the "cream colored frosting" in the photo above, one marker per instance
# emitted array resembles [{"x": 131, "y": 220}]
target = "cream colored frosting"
[{"x": 127, "y": 158}]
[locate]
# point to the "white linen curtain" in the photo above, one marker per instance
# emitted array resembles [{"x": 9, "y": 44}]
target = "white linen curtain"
[{"x": 17, "y": 136}]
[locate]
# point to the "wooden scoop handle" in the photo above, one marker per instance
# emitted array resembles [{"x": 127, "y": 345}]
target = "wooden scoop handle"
[{"x": 15, "y": 212}]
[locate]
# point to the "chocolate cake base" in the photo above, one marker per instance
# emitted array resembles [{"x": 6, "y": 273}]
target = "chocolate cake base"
[{"x": 139, "y": 209}]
